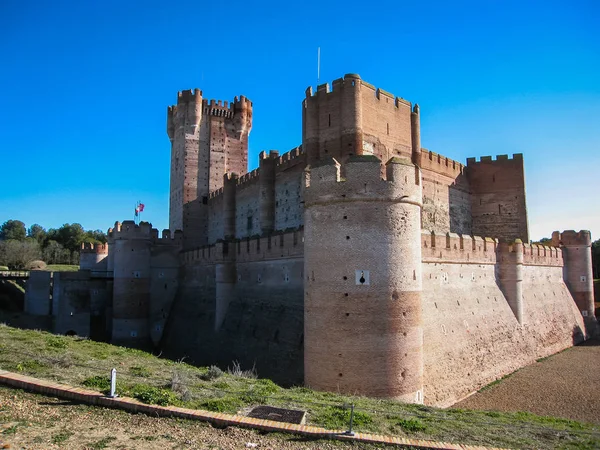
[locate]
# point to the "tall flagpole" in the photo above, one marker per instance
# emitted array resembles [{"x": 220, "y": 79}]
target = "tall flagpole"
[{"x": 318, "y": 66}]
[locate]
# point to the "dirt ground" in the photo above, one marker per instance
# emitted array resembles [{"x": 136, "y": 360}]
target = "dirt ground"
[
  {"x": 29, "y": 421},
  {"x": 564, "y": 385}
]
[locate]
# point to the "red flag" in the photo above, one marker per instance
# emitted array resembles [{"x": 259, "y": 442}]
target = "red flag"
[{"x": 141, "y": 207}]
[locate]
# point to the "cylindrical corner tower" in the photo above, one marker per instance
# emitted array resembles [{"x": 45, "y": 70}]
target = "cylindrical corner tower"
[
  {"x": 362, "y": 261},
  {"x": 578, "y": 272},
  {"x": 131, "y": 288}
]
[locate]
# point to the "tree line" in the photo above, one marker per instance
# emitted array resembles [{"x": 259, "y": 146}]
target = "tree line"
[{"x": 20, "y": 247}]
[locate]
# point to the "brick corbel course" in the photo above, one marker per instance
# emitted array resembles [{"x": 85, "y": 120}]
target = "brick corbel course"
[{"x": 129, "y": 404}]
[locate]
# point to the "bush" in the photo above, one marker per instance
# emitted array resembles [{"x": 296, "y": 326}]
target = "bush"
[
  {"x": 99, "y": 382},
  {"x": 237, "y": 371},
  {"x": 179, "y": 385},
  {"x": 35, "y": 265},
  {"x": 4, "y": 268},
  {"x": 153, "y": 395},
  {"x": 212, "y": 373}
]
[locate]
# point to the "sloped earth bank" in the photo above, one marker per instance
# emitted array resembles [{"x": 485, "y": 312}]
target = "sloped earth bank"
[
  {"x": 36, "y": 422},
  {"x": 565, "y": 385}
]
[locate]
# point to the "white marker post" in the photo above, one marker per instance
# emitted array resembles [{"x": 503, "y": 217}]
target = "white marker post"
[{"x": 113, "y": 383}]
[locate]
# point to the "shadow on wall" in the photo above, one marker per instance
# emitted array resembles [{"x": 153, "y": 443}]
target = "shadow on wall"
[
  {"x": 459, "y": 207},
  {"x": 578, "y": 335}
]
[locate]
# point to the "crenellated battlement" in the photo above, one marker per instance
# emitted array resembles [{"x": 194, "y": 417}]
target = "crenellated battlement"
[
  {"x": 351, "y": 80},
  {"x": 440, "y": 164},
  {"x": 572, "y": 238},
  {"x": 88, "y": 247},
  {"x": 130, "y": 230},
  {"x": 215, "y": 194},
  {"x": 452, "y": 247},
  {"x": 498, "y": 158},
  {"x": 167, "y": 237},
  {"x": 248, "y": 179},
  {"x": 189, "y": 96},
  {"x": 542, "y": 255},
  {"x": 287, "y": 244},
  {"x": 291, "y": 158}
]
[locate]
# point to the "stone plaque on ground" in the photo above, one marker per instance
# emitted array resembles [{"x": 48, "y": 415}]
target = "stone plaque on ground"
[{"x": 278, "y": 414}]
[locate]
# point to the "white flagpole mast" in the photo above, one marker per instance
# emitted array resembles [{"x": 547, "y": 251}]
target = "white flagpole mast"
[{"x": 318, "y": 65}]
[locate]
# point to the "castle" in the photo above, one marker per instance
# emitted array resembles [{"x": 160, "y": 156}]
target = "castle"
[{"x": 357, "y": 262}]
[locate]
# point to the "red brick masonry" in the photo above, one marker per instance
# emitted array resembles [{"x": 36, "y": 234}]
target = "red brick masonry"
[{"x": 129, "y": 404}]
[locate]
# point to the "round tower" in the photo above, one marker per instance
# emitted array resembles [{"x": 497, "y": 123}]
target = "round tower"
[
  {"x": 362, "y": 261},
  {"x": 93, "y": 256},
  {"x": 577, "y": 272},
  {"x": 131, "y": 286}
]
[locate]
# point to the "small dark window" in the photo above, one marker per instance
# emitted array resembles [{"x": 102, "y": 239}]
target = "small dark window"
[
  {"x": 249, "y": 224},
  {"x": 205, "y": 200}
]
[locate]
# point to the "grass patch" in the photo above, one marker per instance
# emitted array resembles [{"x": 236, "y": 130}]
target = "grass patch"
[
  {"x": 222, "y": 405},
  {"x": 30, "y": 366},
  {"x": 168, "y": 382},
  {"x": 61, "y": 437},
  {"x": 411, "y": 425},
  {"x": 61, "y": 268},
  {"x": 139, "y": 371},
  {"x": 102, "y": 443},
  {"x": 337, "y": 418}
]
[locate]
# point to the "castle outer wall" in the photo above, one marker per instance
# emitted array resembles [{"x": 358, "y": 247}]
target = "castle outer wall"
[{"x": 351, "y": 263}]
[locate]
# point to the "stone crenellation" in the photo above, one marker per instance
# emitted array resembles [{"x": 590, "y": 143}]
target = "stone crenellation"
[{"x": 357, "y": 262}]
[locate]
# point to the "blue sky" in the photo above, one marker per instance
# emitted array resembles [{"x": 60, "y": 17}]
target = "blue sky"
[{"x": 84, "y": 88}]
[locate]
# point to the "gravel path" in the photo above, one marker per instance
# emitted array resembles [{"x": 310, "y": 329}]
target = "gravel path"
[{"x": 564, "y": 385}]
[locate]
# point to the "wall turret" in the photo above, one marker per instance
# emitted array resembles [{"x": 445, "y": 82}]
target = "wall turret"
[
  {"x": 131, "y": 286},
  {"x": 93, "y": 256},
  {"x": 363, "y": 327},
  {"x": 577, "y": 273}
]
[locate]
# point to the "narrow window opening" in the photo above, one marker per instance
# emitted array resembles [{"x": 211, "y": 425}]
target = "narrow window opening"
[
  {"x": 388, "y": 128},
  {"x": 329, "y": 118}
]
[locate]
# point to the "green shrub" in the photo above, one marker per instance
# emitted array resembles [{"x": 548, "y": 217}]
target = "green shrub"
[
  {"x": 4, "y": 268},
  {"x": 99, "y": 382},
  {"x": 56, "y": 342},
  {"x": 153, "y": 395},
  {"x": 212, "y": 373}
]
